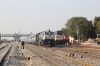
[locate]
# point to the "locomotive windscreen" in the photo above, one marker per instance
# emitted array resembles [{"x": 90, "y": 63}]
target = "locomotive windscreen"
[
  {"x": 46, "y": 33},
  {"x": 59, "y": 32},
  {"x": 51, "y": 33}
]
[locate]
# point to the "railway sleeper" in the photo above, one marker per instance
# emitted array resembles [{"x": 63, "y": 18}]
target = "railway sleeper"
[
  {"x": 71, "y": 55},
  {"x": 82, "y": 56},
  {"x": 71, "y": 59},
  {"x": 74, "y": 55}
]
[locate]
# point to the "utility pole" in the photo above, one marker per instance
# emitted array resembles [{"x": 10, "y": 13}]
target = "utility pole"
[
  {"x": 77, "y": 35},
  {"x": 97, "y": 34},
  {"x": 19, "y": 37},
  {"x": 15, "y": 36}
]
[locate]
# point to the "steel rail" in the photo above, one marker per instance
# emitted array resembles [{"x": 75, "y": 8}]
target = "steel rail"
[
  {"x": 3, "y": 46},
  {"x": 67, "y": 58},
  {"x": 81, "y": 52},
  {"x": 55, "y": 63},
  {"x": 3, "y": 57}
]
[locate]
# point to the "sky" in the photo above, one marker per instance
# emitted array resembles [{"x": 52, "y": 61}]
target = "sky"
[{"x": 35, "y": 16}]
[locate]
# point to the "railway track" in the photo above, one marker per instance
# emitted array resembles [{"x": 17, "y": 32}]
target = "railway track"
[
  {"x": 57, "y": 59},
  {"x": 83, "y": 51},
  {"x": 95, "y": 47},
  {"x": 4, "y": 52},
  {"x": 3, "y": 46},
  {"x": 88, "y": 55},
  {"x": 54, "y": 63}
]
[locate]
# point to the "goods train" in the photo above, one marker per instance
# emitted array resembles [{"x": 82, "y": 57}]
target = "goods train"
[{"x": 48, "y": 38}]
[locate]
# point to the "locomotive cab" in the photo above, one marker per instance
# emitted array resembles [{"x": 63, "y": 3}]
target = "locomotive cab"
[
  {"x": 45, "y": 38},
  {"x": 58, "y": 37}
]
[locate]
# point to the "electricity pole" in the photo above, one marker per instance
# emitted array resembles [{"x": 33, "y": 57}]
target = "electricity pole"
[
  {"x": 19, "y": 37},
  {"x": 97, "y": 34},
  {"x": 77, "y": 35}
]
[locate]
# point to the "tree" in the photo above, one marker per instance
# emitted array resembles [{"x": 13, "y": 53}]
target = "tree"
[
  {"x": 79, "y": 26},
  {"x": 64, "y": 30},
  {"x": 97, "y": 24}
]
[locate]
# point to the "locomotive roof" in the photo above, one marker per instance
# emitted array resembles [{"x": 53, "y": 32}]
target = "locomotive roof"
[
  {"x": 57, "y": 30},
  {"x": 47, "y": 31}
]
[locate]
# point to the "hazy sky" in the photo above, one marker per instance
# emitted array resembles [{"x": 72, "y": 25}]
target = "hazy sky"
[{"x": 38, "y": 15}]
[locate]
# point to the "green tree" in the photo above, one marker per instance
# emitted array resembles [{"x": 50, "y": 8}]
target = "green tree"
[
  {"x": 80, "y": 26},
  {"x": 97, "y": 24},
  {"x": 64, "y": 30}
]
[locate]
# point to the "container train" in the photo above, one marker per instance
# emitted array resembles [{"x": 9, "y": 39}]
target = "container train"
[{"x": 48, "y": 38}]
